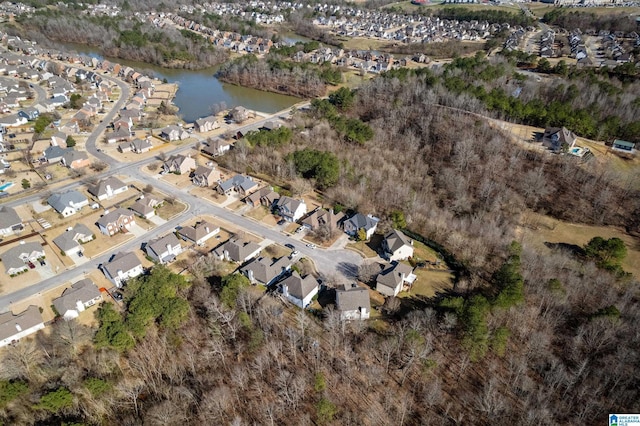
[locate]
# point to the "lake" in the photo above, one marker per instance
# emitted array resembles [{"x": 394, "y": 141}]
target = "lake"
[{"x": 199, "y": 90}]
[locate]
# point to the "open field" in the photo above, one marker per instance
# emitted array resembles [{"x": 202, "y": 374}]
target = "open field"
[
  {"x": 543, "y": 229},
  {"x": 429, "y": 283}
]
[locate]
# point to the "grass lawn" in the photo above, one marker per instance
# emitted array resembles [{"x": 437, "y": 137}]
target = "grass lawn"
[
  {"x": 369, "y": 248},
  {"x": 543, "y": 229},
  {"x": 429, "y": 283},
  {"x": 277, "y": 251},
  {"x": 422, "y": 252},
  {"x": 168, "y": 210},
  {"x": 236, "y": 205},
  {"x": 257, "y": 213}
]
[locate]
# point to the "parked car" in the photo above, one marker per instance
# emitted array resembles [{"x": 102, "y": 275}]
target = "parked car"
[
  {"x": 80, "y": 254},
  {"x": 117, "y": 295},
  {"x": 312, "y": 246},
  {"x": 282, "y": 222},
  {"x": 42, "y": 262},
  {"x": 294, "y": 254},
  {"x": 291, "y": 246},
  {"x": 31, "y": 265}
]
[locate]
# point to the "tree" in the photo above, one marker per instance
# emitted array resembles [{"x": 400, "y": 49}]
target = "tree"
[
  {"x": 321, "y": 165},
  {"x": 76, "y": 101},
  {"x": 361, "y": 235},
  {"x": 397, "y": 217},
  {"x": 342, "y": 98},
  {"x": 71, "y": 142},
  {"x": 10, "y": 390},
  {"x": 112, "y": 331},
  {"x": 231, "y": 286},
  {"x": 57, "y": 400},
  {"x": 26, "y": 184},
  {"x": 41, "y": 123},
  {"x": 607, "y": 254}
]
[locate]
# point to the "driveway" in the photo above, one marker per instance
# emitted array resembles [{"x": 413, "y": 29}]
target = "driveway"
[
  {"x": 138, "y": 230},
  {"x": 157, "y": 220}
]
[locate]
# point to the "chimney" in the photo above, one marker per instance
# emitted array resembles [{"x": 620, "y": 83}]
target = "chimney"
[
  {"x": 285, "y": 290},
  {"x": 206, "y": 228},
  {"x": 18, "y": 327}
]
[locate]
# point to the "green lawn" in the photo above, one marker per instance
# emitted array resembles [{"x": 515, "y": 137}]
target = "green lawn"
[{"x": 429, "y": 283}]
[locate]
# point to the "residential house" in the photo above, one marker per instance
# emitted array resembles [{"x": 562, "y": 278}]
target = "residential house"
[
  {"x": 323, "y": 218},
  {"x": 300, "y": 291},
  {"x": 54, "y": 154},
  {"x": 558, "y": 139},
  {"x": 264, "y": 196},
  {"x": 180, "y": 164},
  {"x": 146, "y": 206},
  {"x": 359, "y": 221},
  {"x": 205, "y": 176},
  {"x": 121, "y": 267},
  {"x": 120, "y": 135},
  {"x": 108, "y": 188},
  {"x": 15, "y": 327},
  {"x": 75, "y": 159},
  {"x": 206, "y": 124},
  {"x": 623, "y": 146},
  {"x": 291, "y": 209},
  {"x": 68, "y": 203},
  {"x": 239, "y": 114},
  {"x": 391, "y": 280},
  {"x": 119, "y": 220},
  {"x": 29, "y": 113},
  {"x": 10, "y": 222},
  {"x": 173, "y": 133},
  {"x": 16, "y": 259},
  {"x": 59, "y": 139},
  {"x": 265, "y": 270},
  {"x": 353, "y": 302},
  {"x": 237, "y": 250},
  {"x": 77, "y": 298},
  {"x": 397, "y": 246},
  {"x": 70, "y": 242},
  {"x": 216, "y": 147},
  {"x": 140, "y": 146},
  {"x": 164, "y": 249},
  {"x": 199, "y": 233},
  {"x": 244, "y": 185}
]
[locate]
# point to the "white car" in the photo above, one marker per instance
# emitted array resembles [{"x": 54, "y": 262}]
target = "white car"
[{"x": 312, "y": 246}]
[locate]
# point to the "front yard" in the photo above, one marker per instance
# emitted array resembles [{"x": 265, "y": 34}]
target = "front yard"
[{"x": 169, "y": 210}]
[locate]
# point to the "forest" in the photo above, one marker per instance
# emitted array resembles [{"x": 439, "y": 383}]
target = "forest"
[
  {"x": 590, "y": 21},
  {"x": 523, "y": 337}
]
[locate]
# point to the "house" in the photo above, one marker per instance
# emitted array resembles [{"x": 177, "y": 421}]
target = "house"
[
  {"x": 77, "y": 298},
  {"x": 173, "y": 133},
  {"x": 216, "y": 147},
  {"x": 266, "y": 270},
  {"x": 146, "y": 206},
  {"x": 360, "y": 221},
  {"x": 119, "y": 220},
  {"x": 624, "y": 146},
  {"x": 16, "y": 259},
  {"x": 75, "y": 159},
  {"x": 241, "y": 184},
  {"x": 121, "y": 267},
  {"x": 108, "y": 188},
  {"x": 205, "y": 176},
  {"x": 29, "y": 113},
  {"x": 239, "y": 114},
  {"x": 70, "y": 241},
  {"x": 558, "y": 139},
  {"x": 59, "y": 139},
  {"x": 164, "y": 249},
  {"x": 68, "y": 203},
  {"x": 122, "y": 134},
  {"x": 206, "y": 124},
  {"x": 353, "y": 302},
  {"x": 15, "y": 327},
  {"x": 323, "y": 218},
  {"x": 180, "y": 164},
  {"x": 10, "y": 222},
  {"x": 390, "y": 281},
  {"x": 237, "y": 250},
  {"x": 264, "y": 196},
  {"x": 54, "y": 154},
  {"x": 300, "y": 291},
  {"x": 397, "y": 246},
  {"x": 140, "y": 146},
  {"x": 291, "y": 209},
  {"x": 199, "y": 233}
]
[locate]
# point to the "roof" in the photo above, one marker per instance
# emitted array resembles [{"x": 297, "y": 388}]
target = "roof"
[
  {"x": 8, "y": 217},
  {"x": 202, "y": 121},
  {"x": 72, "y": 155},
  {"x": 194, "y": 233},
  {"x": 266, "y": 269},
  {"x": 361, "y": 221},
  {"x": 242, "y": 181},
  {"x": 61, "y": 201},
  {"x": 394, "y": 275},
  {"x": 396, "y": 240},
  {"x": 204, "y": 171},
  {"x": 289, "y": 203},
  {"x": 299, "y": 287},
  {"x": 238, "y": 249},
  {"x": 101, "y": 187},
  {"x": 323, "y": 217},
  {"x": 9, "y": 322},
  {"x": 352, "y": 297},
  {"x": 113, "y": 216},
  {"x": 564, "y": 134},
  {"x": 67, "y": 240},
  {"x": 11, "y": 258},
  {"x": 159, "y": 245},
  {"x": 620, "y": 142},
  {"x": 139, "y": 144},
  {"x": 55, "y": 152},
  {"x": 144, "y": 205},
  {"x": 82, "y": 291},
  {"x": 267, "y": 192},
  {"x": 121, "y": 262}
]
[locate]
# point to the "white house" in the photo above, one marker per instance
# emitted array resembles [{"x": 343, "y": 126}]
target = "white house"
[
  {"x": 164, "y": 249},
  {"x": 266, "y": 270},
  {"x": 291, "y": 209},
  {"x": 16, "y": 259},
  {"x": 121, "y": 267},
  {"x": 237, "y": 250},
  {"x": 353, "y": 302},
  {"x": 15, "y": 327},
  {"x": 397, "y": 246},
  {"x": 360, "y": 221},
  {"x": 392, "y": 279},
  {"x": 300, "y": 291},
  {"x": 70, "y": 242},
  {"x": 76, "y": 299},
  {"x": 10, "y": 222},
  {"x": 108, "y": 188},
  {"x": 68, "y": 203},
  {"x": 199, "y": 233}
]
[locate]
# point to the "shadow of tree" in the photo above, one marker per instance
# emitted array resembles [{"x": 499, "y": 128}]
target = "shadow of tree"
[{"x": 573, "y": 249}]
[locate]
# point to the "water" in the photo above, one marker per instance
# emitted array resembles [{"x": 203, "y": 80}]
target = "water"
[
  {"x": 6, "y": 186},
  {"x": 199, "y": 90}
]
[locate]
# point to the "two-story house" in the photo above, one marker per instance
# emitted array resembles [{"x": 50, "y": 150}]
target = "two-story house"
[
  {"x": 164, "y": 249},
  {"x": 108, "y": 188},
  {"x": 122, "y": 267},
  {"x": 300, "y": 291},
  {"x": 392, "y": 279},
  {"x": 77, "y": 299},
  {"x": 118, "y": 220},
  {"x": 291, "y": 209}
]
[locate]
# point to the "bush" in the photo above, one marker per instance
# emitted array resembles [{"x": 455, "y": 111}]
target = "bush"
[{"x": 57, "y": 400}]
